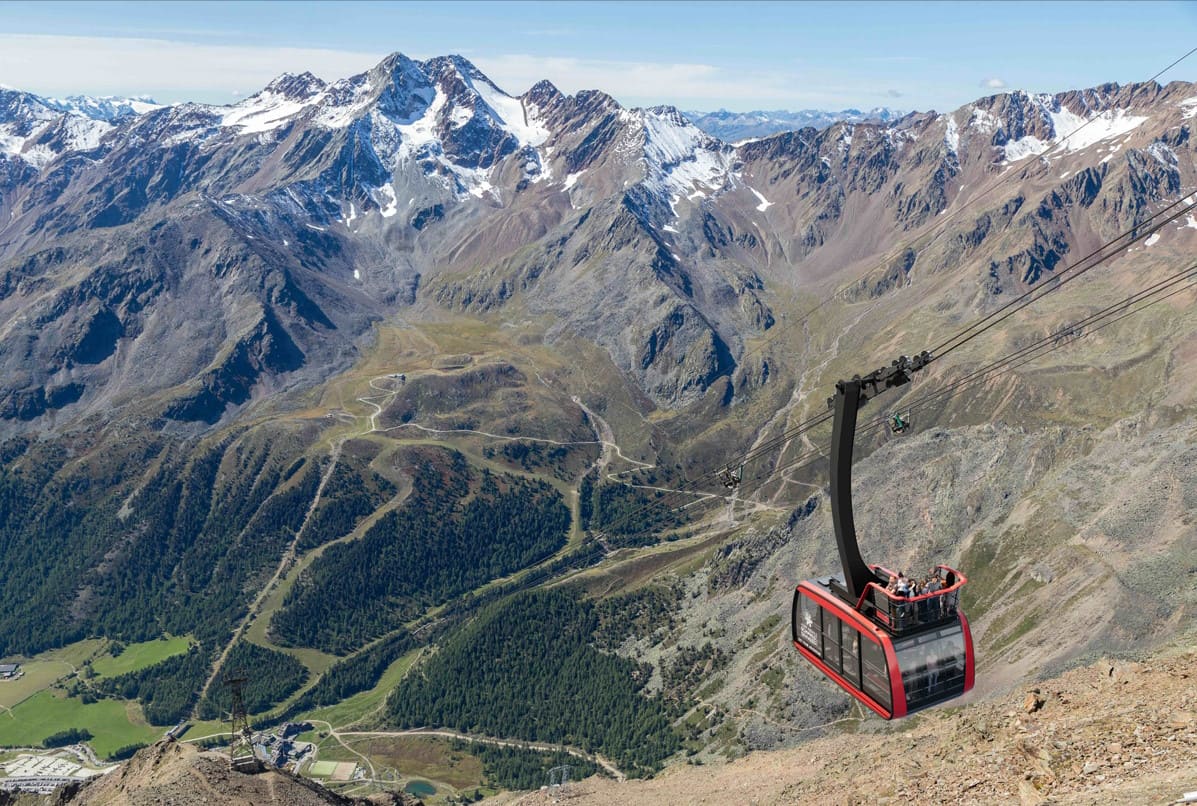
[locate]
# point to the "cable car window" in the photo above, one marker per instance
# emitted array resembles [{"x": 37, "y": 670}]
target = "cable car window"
[
  {"x": 831, "y": 640},
  {"x": 875, "y": 673},
  {"x": 932, "y": 665},
  {"x": 850, "y": 645},
  {"x": 810, "y": 624}
]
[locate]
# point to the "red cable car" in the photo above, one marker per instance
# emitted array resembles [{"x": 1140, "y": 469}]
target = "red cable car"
[{"x": 894, "y": 654}]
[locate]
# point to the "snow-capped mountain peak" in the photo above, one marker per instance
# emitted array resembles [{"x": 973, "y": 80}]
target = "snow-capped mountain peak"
[
  {"x": 36, "y": 129},
  {"x": 543, "y": 94},
  {"x": 465, "y": 85},
  {"x": 680, "y": 159},
  {"x": 276, "y": 104},
  {"x": 1025, "y": 124},
  {"x": 296, "y": 87}
]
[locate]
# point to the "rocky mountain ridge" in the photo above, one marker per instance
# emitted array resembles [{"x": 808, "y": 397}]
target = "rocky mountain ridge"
[
  {"x": 36, "y": 130},
  {"x": 549, "y": 200}
]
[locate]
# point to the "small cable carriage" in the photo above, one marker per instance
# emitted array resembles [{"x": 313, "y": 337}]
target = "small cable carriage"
[{"x": 894, "y": 653}]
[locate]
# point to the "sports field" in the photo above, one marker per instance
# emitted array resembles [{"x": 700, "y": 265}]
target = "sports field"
[
  {"x": 333, "y": 770},
  {"x": 322, "y": 769}
]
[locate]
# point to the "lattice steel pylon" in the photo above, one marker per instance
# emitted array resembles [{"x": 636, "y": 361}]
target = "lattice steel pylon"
[
  {"x": 559, "y": 780},
  {"x": 241, "y": 747}
]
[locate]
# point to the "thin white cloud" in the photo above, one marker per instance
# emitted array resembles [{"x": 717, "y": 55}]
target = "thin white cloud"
[
  {"x": 993, "y": 84},
  {"x": 174, "y": 71},
  {"x": 168, "y": 70}
]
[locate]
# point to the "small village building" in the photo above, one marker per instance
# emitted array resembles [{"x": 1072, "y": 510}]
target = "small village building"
[{"x": 10, "y": 671}]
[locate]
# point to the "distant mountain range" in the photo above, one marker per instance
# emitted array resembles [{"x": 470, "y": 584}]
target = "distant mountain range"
[
  {"x": 736, "y": 126},
  {"x": 459, "y": 185},
  {"x": 728, "y": 126}
]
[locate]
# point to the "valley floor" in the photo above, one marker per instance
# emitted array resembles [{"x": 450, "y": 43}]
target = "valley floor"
[{"x": 1110, "y": 732}]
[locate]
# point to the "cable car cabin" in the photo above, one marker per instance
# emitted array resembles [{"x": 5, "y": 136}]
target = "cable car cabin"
[{"x": 896, "y": 655}]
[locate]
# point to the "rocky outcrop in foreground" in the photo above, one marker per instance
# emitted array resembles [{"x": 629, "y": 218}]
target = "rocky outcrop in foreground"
[{"x": 179, "y": 774}]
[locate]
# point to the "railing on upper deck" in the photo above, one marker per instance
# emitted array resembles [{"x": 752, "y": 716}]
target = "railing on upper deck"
[{"x": 901, "y": 614}]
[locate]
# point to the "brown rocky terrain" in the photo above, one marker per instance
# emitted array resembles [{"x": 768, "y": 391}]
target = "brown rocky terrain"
[{"x": 1114, "y": 731}]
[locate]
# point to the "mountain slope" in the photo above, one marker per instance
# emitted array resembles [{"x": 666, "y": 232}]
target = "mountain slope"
[
  {"x": 215, "y": 321},
  {"x": 543, "y": 199},
  {"x": 1113, "y": 731}
]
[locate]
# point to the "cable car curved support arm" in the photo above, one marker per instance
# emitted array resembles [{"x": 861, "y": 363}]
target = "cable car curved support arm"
[{"x": 849, "y": 396}]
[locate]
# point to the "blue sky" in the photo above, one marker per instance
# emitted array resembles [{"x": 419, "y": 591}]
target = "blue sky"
[{"x": 695, "y": 55}]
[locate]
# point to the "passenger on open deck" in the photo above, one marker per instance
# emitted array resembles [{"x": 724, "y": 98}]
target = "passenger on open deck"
[
  {"x": 903, "y": 591},
  {"x": 934, "y": 585},
  {"x": 916, "y": 601}
]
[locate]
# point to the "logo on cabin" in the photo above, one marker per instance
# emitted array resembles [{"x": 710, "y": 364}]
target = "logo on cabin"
[{"x": 806, "y": 631}]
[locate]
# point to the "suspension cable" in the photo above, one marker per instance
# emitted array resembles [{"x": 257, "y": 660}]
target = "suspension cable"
[
  {"x": 1072, "y": 272},
  {"x": 1136, "y": 303}
]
